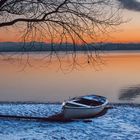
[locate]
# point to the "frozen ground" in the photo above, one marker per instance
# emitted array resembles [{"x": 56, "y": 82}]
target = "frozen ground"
[{"x": 120, "y": 123}]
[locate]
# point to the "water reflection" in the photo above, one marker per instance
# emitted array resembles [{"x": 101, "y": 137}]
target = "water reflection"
[
  {"x": 130, "y": 93},
  {"x": 66, "y": 62},
  {"x": 40, "y": 80}
]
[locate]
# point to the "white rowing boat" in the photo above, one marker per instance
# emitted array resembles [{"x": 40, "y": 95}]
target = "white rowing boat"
[{"x": 84, "y": 106}]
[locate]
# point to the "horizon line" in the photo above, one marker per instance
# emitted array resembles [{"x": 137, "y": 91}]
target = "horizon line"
[{"x": 70, "y": 43}]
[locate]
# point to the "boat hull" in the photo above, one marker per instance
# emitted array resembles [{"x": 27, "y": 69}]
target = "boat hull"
[
  {"x": 84, "y": 107},
  {"x": 76, "y": 113}
]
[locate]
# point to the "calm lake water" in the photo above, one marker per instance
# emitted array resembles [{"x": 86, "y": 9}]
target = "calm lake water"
[{"x": 41, "y": 77}]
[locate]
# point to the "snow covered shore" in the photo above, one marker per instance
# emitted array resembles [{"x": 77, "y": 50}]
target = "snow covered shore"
[{"x": 120, "y": 123}]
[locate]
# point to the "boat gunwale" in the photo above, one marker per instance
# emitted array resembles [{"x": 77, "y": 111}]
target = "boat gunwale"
[{"x": 90, "y": 107}]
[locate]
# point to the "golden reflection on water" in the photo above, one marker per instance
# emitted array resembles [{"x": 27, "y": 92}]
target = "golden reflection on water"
[{"x": 38, "y": 78}]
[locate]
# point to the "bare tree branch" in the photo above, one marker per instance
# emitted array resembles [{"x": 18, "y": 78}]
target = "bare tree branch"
[{"x": 61, "y": 21}]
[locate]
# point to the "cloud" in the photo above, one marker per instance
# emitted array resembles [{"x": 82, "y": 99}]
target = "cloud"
[{"x": 130, "y": 4}]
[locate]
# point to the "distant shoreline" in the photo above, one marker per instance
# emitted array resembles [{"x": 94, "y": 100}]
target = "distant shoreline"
[{"x": 46, "y": 47}]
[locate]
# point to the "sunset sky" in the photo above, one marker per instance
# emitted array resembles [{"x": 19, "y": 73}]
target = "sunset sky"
[
  {"x": 130, "y": 31},
  {"x": 125, "y": 33}
]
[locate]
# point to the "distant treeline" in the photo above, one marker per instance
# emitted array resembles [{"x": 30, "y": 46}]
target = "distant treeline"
[{"x": 40, "y": 46}]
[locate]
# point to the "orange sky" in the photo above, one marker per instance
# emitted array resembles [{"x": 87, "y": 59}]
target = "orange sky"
[
  {"x": 127, "y": 32},
  {"x": 130, "y": 31}
]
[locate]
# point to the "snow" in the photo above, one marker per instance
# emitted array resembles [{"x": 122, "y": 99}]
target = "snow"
[{"x": 120, "y": 123}]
